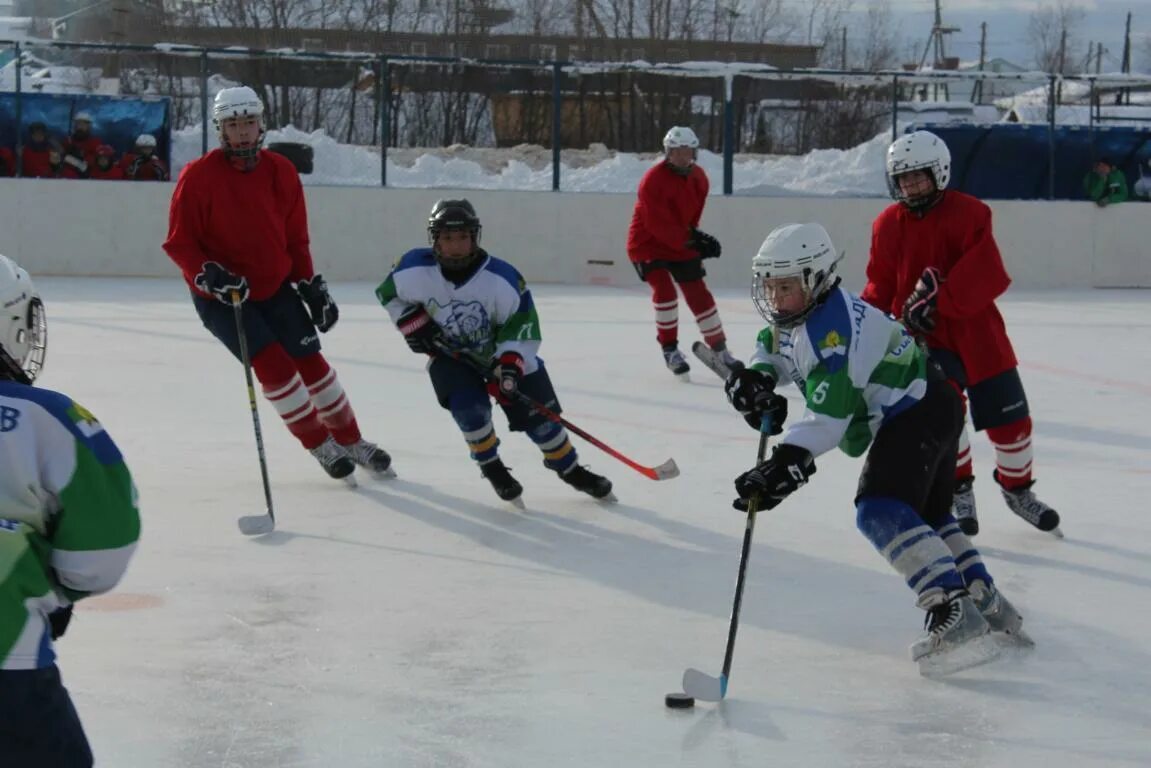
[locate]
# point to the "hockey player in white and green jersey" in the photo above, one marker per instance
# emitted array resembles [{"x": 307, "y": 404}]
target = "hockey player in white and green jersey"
[
  {"x": 68, "y": 526},
  {"x": 455, "y": 294},
  {"x": 868, "y": 388}
]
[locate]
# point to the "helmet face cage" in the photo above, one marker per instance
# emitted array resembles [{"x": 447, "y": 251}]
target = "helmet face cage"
[
  {"x": 919, "y": 151},
  {"x": 23, "y": 325},
  {"x": 794, "y": 251},
  {"x": 454, "y": 216},
  {"x": 232, "y": 103}
]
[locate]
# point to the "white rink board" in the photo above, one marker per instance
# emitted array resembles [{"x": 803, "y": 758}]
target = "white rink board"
[{"x": 61, "y": 227}]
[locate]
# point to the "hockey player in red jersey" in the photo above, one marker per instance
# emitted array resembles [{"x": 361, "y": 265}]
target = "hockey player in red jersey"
[
  {"x": 238, "y": 226},
  {"x": 667, "y": 249},
  {"x": 934, "y": 263}
]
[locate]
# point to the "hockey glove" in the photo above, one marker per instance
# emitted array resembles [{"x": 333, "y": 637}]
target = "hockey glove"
[
  {"x": 506, "y": 374},
  {"x": 752, "y": 393},
  {"x": 220, "y": 283},
  {"x": 323, "y": 310},
  {"x": 419, "y": 329},
  {"x": 704, "y": 244},
  {"x": 774, "y": 480},
  {"x": 919, "y": 309},
  {"x": 58, "y": 621}
]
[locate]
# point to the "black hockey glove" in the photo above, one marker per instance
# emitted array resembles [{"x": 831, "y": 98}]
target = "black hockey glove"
[
  {"x": 704, "y": 244},
  {"x": 919, "y": 309},
  {"x": 419, "y": 329},
  {"x": 752, "y": 393},
  {"x": 220, "y": 282},
  {"x": 506, "y": 374},
  {"x": 58, "y": 621},
  {"x": 321, "y": 307},
  {"x": 775, "y": 479}
]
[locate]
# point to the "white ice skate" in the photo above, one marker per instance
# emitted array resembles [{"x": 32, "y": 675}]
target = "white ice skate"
[
  {"x": 1000, "y": 614},
  {"x": 335, "y": 461},
  {"x": 963, "y": 506},
  {"x": 956, "y": 636},
  {"x": 372, "y": 458},
  {"x": 676, "y": 362}
]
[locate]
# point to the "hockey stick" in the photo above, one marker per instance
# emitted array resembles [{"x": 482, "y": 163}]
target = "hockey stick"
[
  {"x": 664, "y": 471},
  {"x": 700, "y": 685},
  {"x": 253, "y": 525}
]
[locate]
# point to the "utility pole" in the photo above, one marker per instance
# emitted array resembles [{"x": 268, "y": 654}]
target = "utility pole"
[
  {"x": 937, "y": 38},
  {"x": 977, "y": 91},
  {"x": 1126, "y": 92},
  {"x": 1099, "y": 58},
  {"x": 843, "y": 51},
  {"x": 1062, "y": 63}
]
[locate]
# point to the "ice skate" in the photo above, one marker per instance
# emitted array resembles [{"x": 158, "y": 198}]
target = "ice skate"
[
  {"x": 372, "y": 458},
  {"x": 1023, "y": 502},
  {"x": 335, "y": 461},
  {"x": 582, "y": 479},
  {"x": 725, "y": 357},
  {"x": 956, "y": 636},
  {"x": 1000, "y": 614},
  {"x": 505, "y": 486},
  {"x": 676, "y": 362},
  {"x": 963, "y": 506}
]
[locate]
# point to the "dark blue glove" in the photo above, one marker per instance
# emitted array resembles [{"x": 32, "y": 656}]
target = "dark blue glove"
[
  {"x": 215, "y": 279},
  {"x": 919, "y": 309},
  {"x": 58, "y": 621},
  {"x": 321, "y": 307},
  {"x": 704, "y": 244},
  {"x": 752, "y": 393},
  {"x": 775, "y": 479}
]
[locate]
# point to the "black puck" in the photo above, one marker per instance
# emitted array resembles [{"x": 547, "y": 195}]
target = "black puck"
[{"x": 679, "y": 701}]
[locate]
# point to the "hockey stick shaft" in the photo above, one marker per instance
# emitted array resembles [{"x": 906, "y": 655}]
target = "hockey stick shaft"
[
  {"x": 245, "y": 358},
  {"x": 664, "y": 471}
]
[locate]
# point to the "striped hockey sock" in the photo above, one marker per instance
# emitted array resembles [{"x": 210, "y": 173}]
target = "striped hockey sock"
[{"x": 1012, "y": 453}]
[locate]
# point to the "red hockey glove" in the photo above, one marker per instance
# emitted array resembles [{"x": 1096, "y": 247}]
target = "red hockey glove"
[
  {"x": 506, "y": 375},
  {"x": 919, "y": 309}
]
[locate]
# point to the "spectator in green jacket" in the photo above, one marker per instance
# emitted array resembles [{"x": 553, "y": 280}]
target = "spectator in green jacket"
[{"x": 1105, "y": 184}]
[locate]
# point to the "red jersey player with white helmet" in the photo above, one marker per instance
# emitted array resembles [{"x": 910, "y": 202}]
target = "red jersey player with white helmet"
[
  {"x": 667, "y": 249},
  {"x": 934, "y": 263},
  {"x": 238, "y": 226}
]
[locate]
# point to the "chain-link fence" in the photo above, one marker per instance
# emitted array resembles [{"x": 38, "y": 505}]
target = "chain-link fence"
[{"x": 381, "y": 102}]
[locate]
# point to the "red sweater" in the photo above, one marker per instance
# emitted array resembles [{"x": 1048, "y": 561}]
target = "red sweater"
[
  {"x": 254, "y": 224},
  {"x": 669, "y": 205},
  {"x": 955, "y": 237}
]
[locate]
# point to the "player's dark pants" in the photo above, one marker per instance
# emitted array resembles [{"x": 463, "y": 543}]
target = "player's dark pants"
[
  {"x": 464, "y": 392},
  {"x": 39, "y": 727},
  {"x": 281, "y": 318},
  {"x": 913, "y": 456}
]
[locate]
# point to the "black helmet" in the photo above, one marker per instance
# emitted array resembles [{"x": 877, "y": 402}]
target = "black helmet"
[{"x": 453, "y": 214}]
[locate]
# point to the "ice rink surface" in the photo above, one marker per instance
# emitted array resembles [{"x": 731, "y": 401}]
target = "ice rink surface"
[{"x": 422, "y": 622}]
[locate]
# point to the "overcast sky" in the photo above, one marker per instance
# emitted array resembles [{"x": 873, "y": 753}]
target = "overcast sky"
[{"x": 1007, "y": 27}]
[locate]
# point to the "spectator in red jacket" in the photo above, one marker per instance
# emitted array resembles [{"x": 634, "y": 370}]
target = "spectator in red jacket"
[
  {"x": 143, "y": 165},
  {"x": 82, "y": 144},
  {"x": 7, "y": 162},
  {"x": 64, "y": 166},
  {"x": 104, "y": 167},
  {"x": 34, "y": 156},
  {"x": 934, "y": 263},
  {"x": 666, "y": 248}
]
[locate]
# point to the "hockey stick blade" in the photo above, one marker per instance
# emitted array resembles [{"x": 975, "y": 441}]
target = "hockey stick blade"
[
  {"x": 255, "y": 525},
  {"x": 704, "y": 687},
  {"x": 711, "y": 360},
  {"x": 666, "y": 471}
]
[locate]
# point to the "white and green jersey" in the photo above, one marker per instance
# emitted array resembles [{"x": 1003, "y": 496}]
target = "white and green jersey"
[
  {"x": 855, "y": 366},
  {"x": 68, "y": 517},
  {"x": 489, "y": 314}
]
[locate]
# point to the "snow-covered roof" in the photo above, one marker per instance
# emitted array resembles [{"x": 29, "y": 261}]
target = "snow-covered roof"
[{"x": 1080, "y": 114}]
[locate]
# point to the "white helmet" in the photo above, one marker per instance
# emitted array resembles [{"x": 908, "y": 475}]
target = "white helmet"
[
  {"x": 680, "y": 136},
  {"x": 23, "y": 324},
  {"x": 794, "y": 250},
  {"x": 241, "y": 101},
  {"x": 82, "y": 117},
  {"x": 146, "y": 140},
  {"x": 921, "y": 150}
]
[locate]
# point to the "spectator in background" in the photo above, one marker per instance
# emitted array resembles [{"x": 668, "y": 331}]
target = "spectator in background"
[
  {"x": 82, "y": 144},
  {"x": 1105, "y": 184},
  {"x": 34, "y": 155},
  {"x": 7, "y": 162},
  {"x": 104, "y": 167},
  {"x": 143, "y": 165},
  {"x": 1143, "y": 186},
  {"x": 63, "y": 166}
]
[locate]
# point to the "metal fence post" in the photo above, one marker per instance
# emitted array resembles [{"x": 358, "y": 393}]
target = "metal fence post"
[
  {"x": 385, "y": 90},
  {"x": 894, "y": 107},
  {"x": 204, "y": 103},
  {"x": 728, "y": 135},
  {"x": 1051, "y": 107},
  {"x": 19, "y": 116},
  {"x": 557, "y": 117}
]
